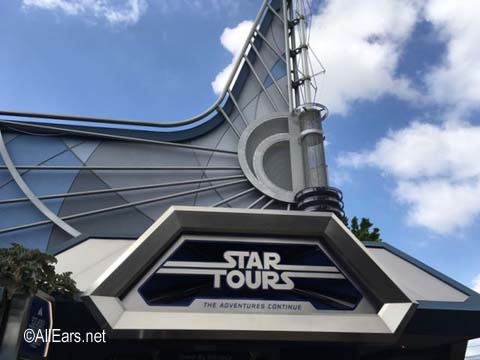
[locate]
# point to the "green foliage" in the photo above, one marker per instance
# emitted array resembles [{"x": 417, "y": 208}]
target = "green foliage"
[
  {"x": 362, "y": 230},
  {"x": 27, "y": 271}
]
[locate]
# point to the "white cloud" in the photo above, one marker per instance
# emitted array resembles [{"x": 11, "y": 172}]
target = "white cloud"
[
  {"x": 113, "y": 11},
  {"x": 359, "y": 43},
  {"x": 441, "y": 205},
  {"x": 425, "y": 151},
  {"x": 436, "y": 169},
  {"x": 202, "y": 7},
  {"x": 129, "y": 12},
  {"x": 233, "y": 40},
  {"x": 476, "y": 284},
  {"x": 456, "y": 82},
  {"x": 434, "y": 166}
]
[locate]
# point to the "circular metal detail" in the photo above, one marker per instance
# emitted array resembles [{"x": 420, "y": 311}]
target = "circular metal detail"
[
  {"x": 264, "y": 156},
  {"x": 322, "y": 109},
  {"x": 311, "y": 131},
  {"x": 325, "y": 198}
]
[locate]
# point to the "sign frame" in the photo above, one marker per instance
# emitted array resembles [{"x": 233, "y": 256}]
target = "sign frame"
[{"x": 393, "y": 308}]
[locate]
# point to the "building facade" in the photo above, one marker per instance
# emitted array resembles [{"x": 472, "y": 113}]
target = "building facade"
[{"x": 216, "y": 237}]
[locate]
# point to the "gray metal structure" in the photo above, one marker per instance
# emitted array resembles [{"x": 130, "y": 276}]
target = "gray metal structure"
[
  {"x": 109, "y": 197},
  {"x": 257, "y": 146}
]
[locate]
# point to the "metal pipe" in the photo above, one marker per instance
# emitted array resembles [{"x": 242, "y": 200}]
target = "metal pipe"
[
  {"x": 121, "y": 168},
  {"x": 271, "y": 47},
  {"x": 268, "y": 204},
  {"x": 294, "y": 59},
  {"x": 122, "y": 206},
  {"x": 153, "y": 123},
  {"x": 233, "y": 197},
  {"x": 287, "y": 56},
  {"x": 117, "y": 137},
  {"x": 259, "y": 57},
  {"x": 253, "y": 204},
  {"x": 242, "y": 115},
  {"x": 274, "y": 12},
  {"x": 123, "y": 189},
  {"x": 224, "y": 114},
  {"x": 267, "y": 94},
  {"x": 304, "y": 52}
]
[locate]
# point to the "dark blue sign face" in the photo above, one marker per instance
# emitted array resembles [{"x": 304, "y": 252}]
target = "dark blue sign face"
[
  {"x": 35, "y": 337},
  {"x": 261, "y": 270}
]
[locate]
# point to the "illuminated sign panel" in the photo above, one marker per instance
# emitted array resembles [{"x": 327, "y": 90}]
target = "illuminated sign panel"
[{"x": 290, "y": 273}]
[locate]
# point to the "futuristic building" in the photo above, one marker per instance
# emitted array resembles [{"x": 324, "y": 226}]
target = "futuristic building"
[{"x": 218, "y": 236}]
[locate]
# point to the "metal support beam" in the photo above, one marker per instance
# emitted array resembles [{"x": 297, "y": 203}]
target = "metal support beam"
[
  {"x": 233, "y": 197},
  {"x": 224, "y": 114},
  {"x": 122, "y": 206},
  {"x": 259, "y": 57},
  {"x": 268, "y": 204},
  {"x": 124, "y": 189},
  {"x": 271, "y": 47},
  {"x": 274, "y": 12},
  {"x": 288, "y": 60},
  {"x": 122, "y": 168},
  {"x": 303, "y": 50},
  {"x": 114, "y": 137},
  {"x": 242, "y": 115},
  {"x": 253, "y": 204},
  {"x": 269, "y": 97}
]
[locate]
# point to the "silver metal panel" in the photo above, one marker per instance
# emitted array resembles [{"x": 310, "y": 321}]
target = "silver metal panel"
[
  {"x": 72, "y": 141},
  {"x": 9, "y": 136},
  {"x": 89, "y": 259},
  {"x": 85, "y": 150},
  {"x": 124, "y": 223},
  {"x": 416, "y": 283}
]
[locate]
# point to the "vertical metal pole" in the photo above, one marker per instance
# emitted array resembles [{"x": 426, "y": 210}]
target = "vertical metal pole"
[
  {"x": 310, "y": 117},
  {"x": 287, "y": 55},
  {"x": 296, "y": 154},
  {"x": 316, "y": 195},
  {"x": 304, "y": 51},
  {"x": 294, "y": 58}
]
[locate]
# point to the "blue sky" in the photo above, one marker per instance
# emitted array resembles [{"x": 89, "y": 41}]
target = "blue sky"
[{"x": 402, "y": 84}]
